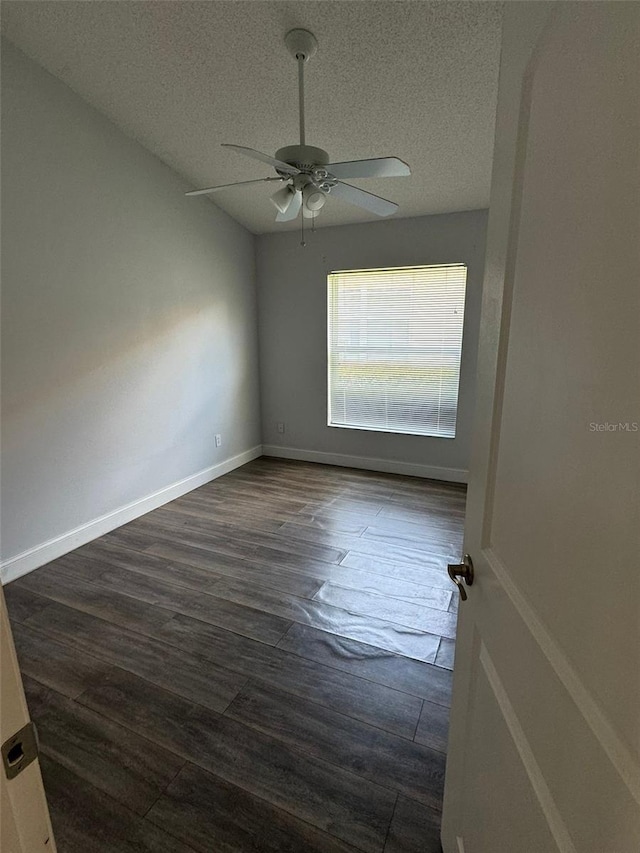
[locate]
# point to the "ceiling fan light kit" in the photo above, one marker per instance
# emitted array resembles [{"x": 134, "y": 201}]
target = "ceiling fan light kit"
[
  {"x": 282, "y": 199},
  {"x": 309, "y": 175}
]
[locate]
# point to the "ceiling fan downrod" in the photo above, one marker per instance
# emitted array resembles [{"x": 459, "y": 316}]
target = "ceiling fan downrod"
[
  {"x": 301, "y": 61},
  {"x": 302, "y": 45}
]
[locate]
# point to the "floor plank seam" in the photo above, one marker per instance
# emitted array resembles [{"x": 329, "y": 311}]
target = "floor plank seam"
[
  {"x": 69, "y": 643},
  {"x": 119, "y": 804},
  {"x": 164, "y": 789},
  {"x": 372, "y": 680},
  {"x": 393, "y": 814},
  {"x": 299, "y": 750},
  {"x": 415, "y": 731},
  {"x": 353, "y": 613},
  {"x": 257, "y": 563},
  {"x": 206, "y": 769}
]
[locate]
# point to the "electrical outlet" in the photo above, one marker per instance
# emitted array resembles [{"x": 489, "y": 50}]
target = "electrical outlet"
[
  {"x": 218, "y": 440},
  {"x": 280, "y": 427}
]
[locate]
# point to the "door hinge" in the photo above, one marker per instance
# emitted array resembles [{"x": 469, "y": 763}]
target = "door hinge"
[{"x": 19, "y": 750}]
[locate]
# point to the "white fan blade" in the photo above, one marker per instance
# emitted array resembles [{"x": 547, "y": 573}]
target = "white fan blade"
[
  {"x": 381, "y": 167},
  {"x": 236, "y": 184},
  {"x": 293, "y": 210},
  {"x": 264, "y": 158},
  {"x": 369, "y": 201}
]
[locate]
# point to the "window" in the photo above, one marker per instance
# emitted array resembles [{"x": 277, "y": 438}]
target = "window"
[{"x": 395, "y": 339}]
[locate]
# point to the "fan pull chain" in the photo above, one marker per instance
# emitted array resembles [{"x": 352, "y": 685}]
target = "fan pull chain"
[{"x": 302, "y": 241}]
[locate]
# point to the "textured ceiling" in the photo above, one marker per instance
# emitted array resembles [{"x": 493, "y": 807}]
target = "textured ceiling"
[{"x": 417, "y": 80}]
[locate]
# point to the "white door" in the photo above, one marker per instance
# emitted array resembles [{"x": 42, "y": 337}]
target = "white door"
[
  {"x": 544, "y": 751},
  {"x": 24, "y": 817}
]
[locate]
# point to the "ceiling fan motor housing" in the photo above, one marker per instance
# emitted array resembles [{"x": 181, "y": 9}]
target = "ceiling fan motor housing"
[{"x": 303, "y": 157}]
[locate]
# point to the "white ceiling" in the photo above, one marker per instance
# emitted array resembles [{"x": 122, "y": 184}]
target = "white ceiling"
[{"x": 417, "y": 80}]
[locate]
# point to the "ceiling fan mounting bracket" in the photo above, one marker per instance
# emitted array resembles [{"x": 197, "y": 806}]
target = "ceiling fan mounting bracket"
[{"x": 301, "y": 43}]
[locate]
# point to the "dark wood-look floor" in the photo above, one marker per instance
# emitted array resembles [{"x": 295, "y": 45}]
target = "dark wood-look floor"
[{"x": 261, "y": 665}]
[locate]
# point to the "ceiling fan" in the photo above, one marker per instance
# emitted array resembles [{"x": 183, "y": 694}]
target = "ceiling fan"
[{"x": 306, "y": 172}]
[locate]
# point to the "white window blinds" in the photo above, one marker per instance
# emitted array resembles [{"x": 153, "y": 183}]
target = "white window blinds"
[{"x": 395, "y": 340}]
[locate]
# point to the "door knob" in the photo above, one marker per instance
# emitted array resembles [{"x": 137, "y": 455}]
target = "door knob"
[{"x": 462, "y": 570}]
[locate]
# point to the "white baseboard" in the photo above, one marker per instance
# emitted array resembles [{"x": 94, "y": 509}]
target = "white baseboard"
[
  {"x": 37, "y": 556},
  {"x": 27, "y": 561},
  {"x": 388, "y": 466}
]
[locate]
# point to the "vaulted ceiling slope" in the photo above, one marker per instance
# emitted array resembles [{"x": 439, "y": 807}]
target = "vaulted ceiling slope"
[{"x": 416, "y": 80}]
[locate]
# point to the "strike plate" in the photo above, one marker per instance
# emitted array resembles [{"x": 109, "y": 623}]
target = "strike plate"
[{"x": 20, "y": 750}]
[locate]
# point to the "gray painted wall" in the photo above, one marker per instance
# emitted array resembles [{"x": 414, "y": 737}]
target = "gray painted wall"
[
  {"x": 128, "y": 318},
  {"x": 292, "y": 297}
]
